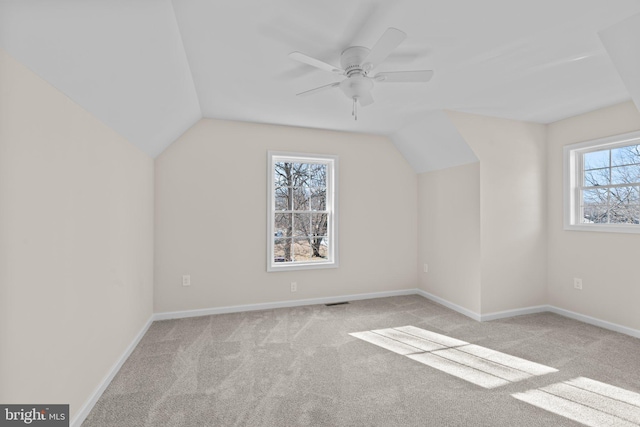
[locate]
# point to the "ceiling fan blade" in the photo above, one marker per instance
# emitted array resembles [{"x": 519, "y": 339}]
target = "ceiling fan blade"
[
  {"x": 319, "y": 89},
  {"x": 366, "y": 99},
  {"x": 404, "y": 76},
  {"x": 389, "y": 41},
  {"x": 306, "y": 59}
]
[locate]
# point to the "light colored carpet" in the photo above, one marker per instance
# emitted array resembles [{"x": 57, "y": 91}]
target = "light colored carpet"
[
  {"x": 299, "y": 366},
  {"x": 478, "y": 365},
  {"x": 590, "y": 402}
]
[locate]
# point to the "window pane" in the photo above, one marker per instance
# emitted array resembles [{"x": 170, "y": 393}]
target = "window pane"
[
  {"x": 634, "y": 207},
  {"x": 319, "y": 224},
  {"x": 594, "y": 178},
  {"x": 595, "y": 206},
  {"x": 319, "y": 248},
  {"x": 282, "y": 174},
  {"x": 301, "y": 250},
  {"x": 622, "y": 196},
  {"x": 317, "y": 175},
  {"x": 299, "y": 174},
  {"x": 595, "y": 196},
  {"x": 282, "y": 250},
  {"x": 302, "y": 224},
  {"x": 625, "y": 155},
  {"x": 282, "y": 197},
  {"x": 282, "y": 226},
  {"x": 318, "y": 199},
  {"x": 624, "y": 205},
  {"x": 301, "y": 196},
  {"x": 596, "y": 159},
  {"x": 625, "y": 174}
]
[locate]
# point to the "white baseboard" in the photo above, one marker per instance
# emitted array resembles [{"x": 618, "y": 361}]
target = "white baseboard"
[
  {"x": 596, "y": 322},
  {"x": 515, "y": 312},
  {"x": 531, "y": 310},
  {"x": 448, "y": 304},
  {"x": 79, "y": 418},
  {"x": 279, "y": 304}
]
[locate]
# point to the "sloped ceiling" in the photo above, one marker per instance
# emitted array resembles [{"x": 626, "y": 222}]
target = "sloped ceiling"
[
  {"x": 622, "y": 41},
  {"x": 123, "y": 61},
  {"x": 422, "y": 143},
  {"x": 151, "y": 68}
]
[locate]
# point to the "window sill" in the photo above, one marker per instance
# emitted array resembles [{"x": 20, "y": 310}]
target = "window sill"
[
  {"x": 604, "y": 228},
  {"x": 301, "y": 266}
]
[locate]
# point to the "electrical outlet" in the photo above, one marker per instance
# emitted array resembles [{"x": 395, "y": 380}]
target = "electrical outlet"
[
  {"x": 294, "y": 286},
  {"x": 186, "y": 280},
  {"x": 425, "y": 268},
  {"x": 577, "y": 283}
]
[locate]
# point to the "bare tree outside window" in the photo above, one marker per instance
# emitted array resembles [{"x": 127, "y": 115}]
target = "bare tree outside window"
[
  {"x": 301, "y": 215},
  {"x": 610, "y": 191}
]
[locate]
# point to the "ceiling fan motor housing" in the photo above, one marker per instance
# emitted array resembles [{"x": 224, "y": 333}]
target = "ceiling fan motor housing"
[{"x": 351, "y": 60}]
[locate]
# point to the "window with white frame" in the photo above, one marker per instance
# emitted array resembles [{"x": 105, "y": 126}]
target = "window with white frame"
[
  {"x": 302, "y": 206},
  {"x": 602, "y": 184}
]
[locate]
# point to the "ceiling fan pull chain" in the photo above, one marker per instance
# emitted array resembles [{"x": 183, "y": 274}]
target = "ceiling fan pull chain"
[{"x": 355, "y": 108}]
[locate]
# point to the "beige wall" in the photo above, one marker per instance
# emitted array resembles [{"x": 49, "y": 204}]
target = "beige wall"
[
  {"x": 449, "y": 234},
  {"x": 513, "y": 244},
  {"x": 606, "y": 262},
  {"x": 211, "y": 217},
  {"x": 76, "y": 242}
]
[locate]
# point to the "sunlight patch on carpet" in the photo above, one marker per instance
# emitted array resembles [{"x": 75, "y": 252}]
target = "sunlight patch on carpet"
[
  {"x": 459, "y": 370},
  {"x": 386, "y": 343},
  {"x": 412, "y": 340},
  {"x": 478, "y": 365},
  {"x": 587, "y": 401}
]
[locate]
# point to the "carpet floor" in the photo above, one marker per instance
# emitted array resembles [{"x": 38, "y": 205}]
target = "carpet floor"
[{"x": 301, "y": 367}]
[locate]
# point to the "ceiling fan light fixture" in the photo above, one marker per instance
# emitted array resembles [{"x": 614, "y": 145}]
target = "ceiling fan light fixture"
[{"x": 356, "y": 87}]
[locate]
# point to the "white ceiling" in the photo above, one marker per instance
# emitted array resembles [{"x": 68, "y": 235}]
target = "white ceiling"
[{"x": 151, "y": 68}]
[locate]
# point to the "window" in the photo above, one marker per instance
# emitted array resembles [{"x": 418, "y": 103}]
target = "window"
[
  {"x": 602, "y": 184},
  {"x": 302, "y": 206}
]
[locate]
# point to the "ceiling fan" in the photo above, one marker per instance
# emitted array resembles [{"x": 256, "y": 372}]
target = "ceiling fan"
[{"x": 357, "y": 62}]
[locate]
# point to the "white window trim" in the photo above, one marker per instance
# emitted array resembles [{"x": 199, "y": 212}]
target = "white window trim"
[
  {"x": 572, "y": 174},
  {"x": 332, "y": 207}
]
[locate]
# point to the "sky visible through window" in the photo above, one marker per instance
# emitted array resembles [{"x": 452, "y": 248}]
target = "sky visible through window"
[{"x": 610, "y": 189}]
